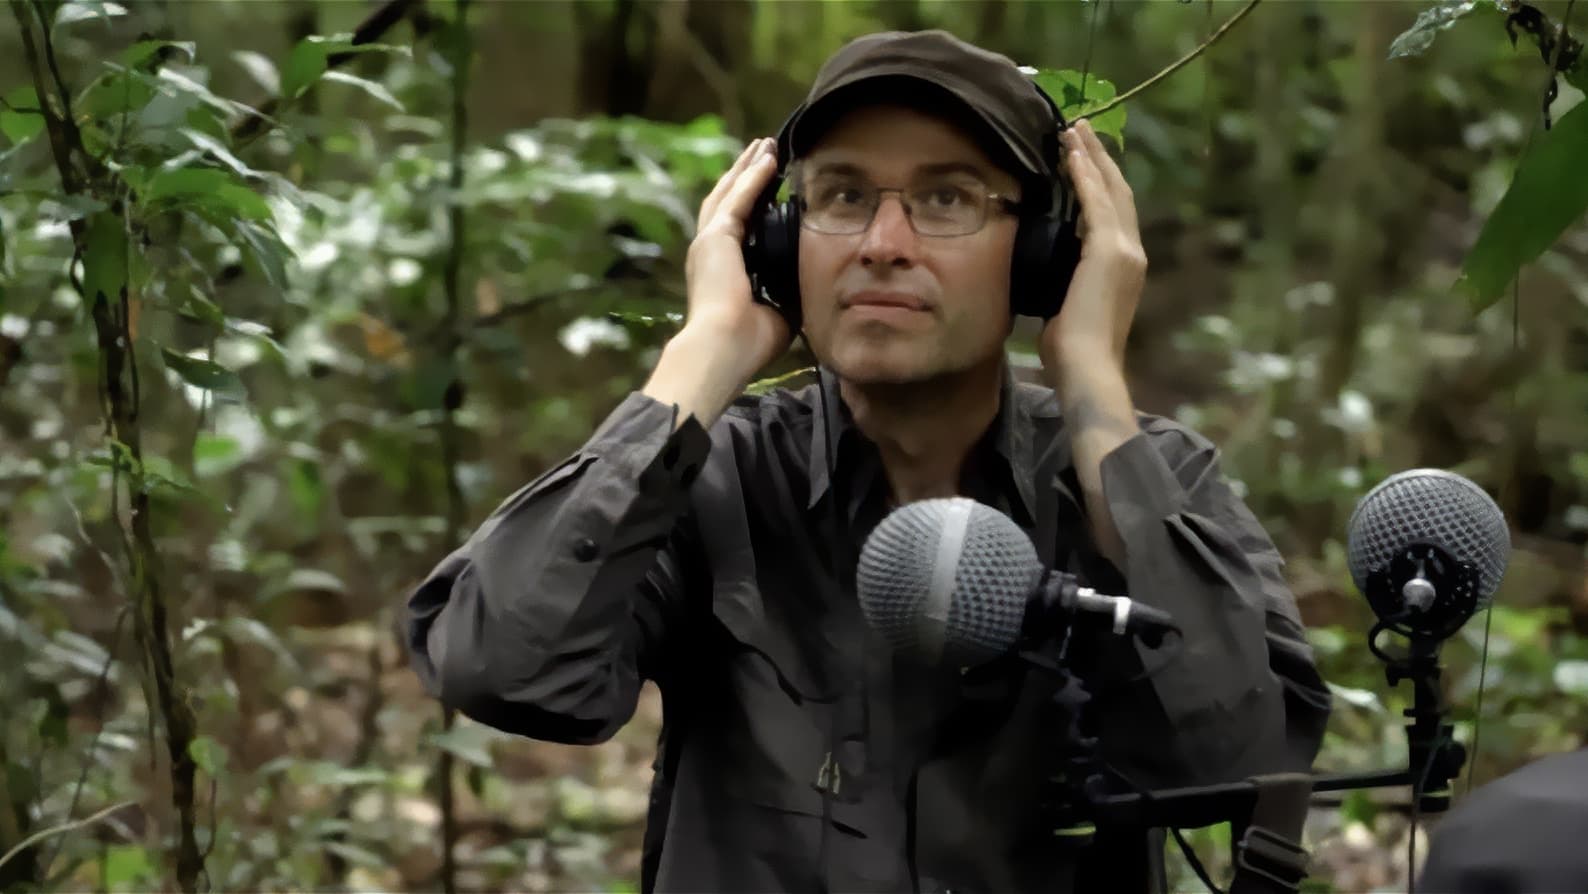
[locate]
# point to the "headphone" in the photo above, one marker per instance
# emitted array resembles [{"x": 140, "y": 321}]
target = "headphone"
[{"x": 1047, "y": 245}]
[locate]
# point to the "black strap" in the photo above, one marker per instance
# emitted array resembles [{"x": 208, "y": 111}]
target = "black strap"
[{"x": 1269, "y": 858}]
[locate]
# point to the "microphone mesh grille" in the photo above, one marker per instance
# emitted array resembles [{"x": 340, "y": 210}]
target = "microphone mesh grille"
[
  {"x": 1430, "y": 506},
  {"x": 996, "y": 572}
]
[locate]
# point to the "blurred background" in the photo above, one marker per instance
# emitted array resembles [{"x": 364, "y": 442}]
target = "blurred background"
[{"x": 356, "y": 271}]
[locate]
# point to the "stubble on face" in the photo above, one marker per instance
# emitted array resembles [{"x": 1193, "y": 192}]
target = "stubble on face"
[{"x": 959, "y": 285}]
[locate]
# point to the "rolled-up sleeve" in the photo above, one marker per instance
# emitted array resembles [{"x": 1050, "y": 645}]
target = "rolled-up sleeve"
[
  {"x": 1238, "y": 693},
  {"x": 546, "y": 621}
]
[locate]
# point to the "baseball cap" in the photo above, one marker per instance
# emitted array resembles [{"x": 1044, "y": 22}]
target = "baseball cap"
[{"x": 985, "y": 93}]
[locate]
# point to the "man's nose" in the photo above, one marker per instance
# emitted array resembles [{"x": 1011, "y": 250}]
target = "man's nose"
[{"x": 890, "y": 239}]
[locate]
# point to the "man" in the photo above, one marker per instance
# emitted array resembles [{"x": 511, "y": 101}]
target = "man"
[{"x": 707, "y": 541}]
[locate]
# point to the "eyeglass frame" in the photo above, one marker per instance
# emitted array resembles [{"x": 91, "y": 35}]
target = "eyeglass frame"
[{"x": 1013, "y": 207}]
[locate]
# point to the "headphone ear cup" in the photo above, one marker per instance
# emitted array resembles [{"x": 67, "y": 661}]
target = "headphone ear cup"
[
  {"x": 771, "y": 257},
  {"x": 1047, "y": 248}
]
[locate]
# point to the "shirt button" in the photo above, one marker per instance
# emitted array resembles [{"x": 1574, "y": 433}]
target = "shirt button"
[{"x": 585, "y": 550}]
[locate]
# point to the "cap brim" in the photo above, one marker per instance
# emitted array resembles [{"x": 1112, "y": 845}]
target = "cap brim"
[{"x": 805, "y": 128}]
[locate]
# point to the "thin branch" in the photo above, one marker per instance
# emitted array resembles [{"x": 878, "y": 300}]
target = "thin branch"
[
  {"x": 1554, "y": 63},
  {"x": 149, "y": 610},
  {"x": 452, "y": 276},
  {"x": 60, "y": 148},
  {"x": 373, "y": 28},
  {"x": 1200, "y": 48},
  {"x": 42, "y": 834},
  {"x": 535, "y": 302}
]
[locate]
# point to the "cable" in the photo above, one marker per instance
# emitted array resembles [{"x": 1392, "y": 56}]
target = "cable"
[{"x": 1477, "y": 716}]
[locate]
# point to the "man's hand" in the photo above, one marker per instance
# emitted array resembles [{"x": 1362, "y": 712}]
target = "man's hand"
[
  {"x": 727, "y": 337},
  {"x": 718, "y": 285},
  {"x": 1094, "y": 322},
  {"x": 1083, "y": 346}
]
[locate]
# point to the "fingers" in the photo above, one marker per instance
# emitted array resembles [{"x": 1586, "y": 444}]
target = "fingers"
[
  {"x": 1113, "y": 177},
  {"x": 736, "y": 205},
  {"x": 1097, "y": 201},
  {"x": 1106, "y": 198},
  {"x": 752, "y": 153}
]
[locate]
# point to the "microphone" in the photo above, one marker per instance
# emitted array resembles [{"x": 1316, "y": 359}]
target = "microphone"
[
  {"x": 955, "y": 580},
  {"x": 1427, "y": 548}
]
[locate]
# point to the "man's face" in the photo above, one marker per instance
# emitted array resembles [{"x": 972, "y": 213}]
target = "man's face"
[{"x": 887, "y": 305}]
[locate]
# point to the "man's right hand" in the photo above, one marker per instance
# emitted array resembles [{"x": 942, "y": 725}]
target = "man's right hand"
[{"x": 727, "y": 336}]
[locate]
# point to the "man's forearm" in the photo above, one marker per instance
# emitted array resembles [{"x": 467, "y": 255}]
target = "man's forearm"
[
  {"x": 700, "y": 372},
  {"x": 1099, "y": 416}
]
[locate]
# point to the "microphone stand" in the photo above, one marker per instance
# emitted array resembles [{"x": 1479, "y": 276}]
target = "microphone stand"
[{"x": 1076, "y": 796}]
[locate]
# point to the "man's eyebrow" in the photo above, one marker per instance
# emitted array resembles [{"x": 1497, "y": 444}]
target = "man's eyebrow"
[
  {"x": 954, "y": 167},
  {"x": 838, "y": 169}
]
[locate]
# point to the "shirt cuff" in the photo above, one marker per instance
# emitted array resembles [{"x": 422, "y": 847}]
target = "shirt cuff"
[{"x": 638, "y": 437}]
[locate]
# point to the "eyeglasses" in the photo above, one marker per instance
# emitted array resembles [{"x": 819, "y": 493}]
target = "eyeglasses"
[{"x": 946, "y": 207}]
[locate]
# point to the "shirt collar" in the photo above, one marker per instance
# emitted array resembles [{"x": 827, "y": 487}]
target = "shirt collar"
[{"x": 1011, "y": 442}]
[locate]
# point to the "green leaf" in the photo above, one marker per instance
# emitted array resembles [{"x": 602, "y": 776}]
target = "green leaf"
[
  {"x": 69, "y": 208},
  {"x": 170, "y": 80},
  {"x": 216, "y": 148},
  {"x": 126, "y": 864},
  {"x": 305, "y": 489},
  {"x": 1548, "y": 193},
  {"x": 82, "y": 10},
  {"x": 763, "y": 386},
  {"x": 1359, "y": 806},
  {"x": 355, "y": 854},
  {"x": 201, "y": 373},
  {"x": 215, "y": 454},
  {"x": 261, "y": 69},
  {"x": 249, "y": 630},
  {"x": 122, "y": 92},
  {"x": 208, "y": 754},
  {"x": 373, "y": 89},
  {"x": 671, "y": 318},
  {"x": 144, "y": 50},
  {"x": 313, "y": 579},
  {"x": 21, "y": 126},
  {"x": 327, "y": 773},
  {"x": 309, "y": 59},
  {"x": 105, "y": 257},
  {"x": 467, "y": 742},
  {"x": 160, "y": 478},
  {"x": 209, "y": 189},
  {"x": 1065, "y": 86},
  {"x": 267, "y": 250},
  {"x": 196, "y": 306},
  {"x": 1430, "y": 23}
]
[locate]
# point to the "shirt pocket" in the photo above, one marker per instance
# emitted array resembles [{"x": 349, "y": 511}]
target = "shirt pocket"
[{"x": 774, "y": 744}]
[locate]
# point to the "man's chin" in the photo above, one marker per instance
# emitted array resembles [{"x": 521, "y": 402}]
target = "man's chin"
[{"x": 879, "y": 367}]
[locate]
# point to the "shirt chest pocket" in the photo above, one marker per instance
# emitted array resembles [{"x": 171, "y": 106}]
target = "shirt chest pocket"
[{"x": 772, "y": 717}]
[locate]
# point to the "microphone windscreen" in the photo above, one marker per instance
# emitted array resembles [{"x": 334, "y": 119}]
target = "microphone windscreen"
[
  {"x": 1435, "y": 507},
  {"x": 947, "y": 580}
]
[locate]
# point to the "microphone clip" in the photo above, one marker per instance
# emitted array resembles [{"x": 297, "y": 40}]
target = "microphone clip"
[
  {"x": 1062, "y": 603},
  {"x": 1424, "y": 593}
]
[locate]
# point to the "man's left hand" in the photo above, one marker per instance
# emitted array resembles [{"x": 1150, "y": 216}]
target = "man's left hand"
[{"x": 1091, "y": 328}]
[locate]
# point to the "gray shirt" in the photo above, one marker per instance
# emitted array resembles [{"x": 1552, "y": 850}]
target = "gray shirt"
[{"x": 797, "y": 752}]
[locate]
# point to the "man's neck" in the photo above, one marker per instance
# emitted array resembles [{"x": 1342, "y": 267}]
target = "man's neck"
[{"x": 925, "y": 431}]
